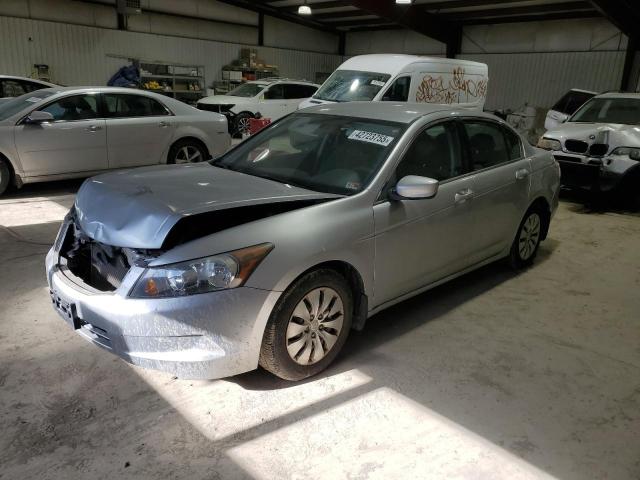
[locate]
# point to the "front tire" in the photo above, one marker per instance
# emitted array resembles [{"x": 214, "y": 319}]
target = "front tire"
[
  {"x": 308, "y": 326},
  {"x": 525, "y": 246},
  {"x": 241, "y": 123},
  {"x": 5, "y": 175}
]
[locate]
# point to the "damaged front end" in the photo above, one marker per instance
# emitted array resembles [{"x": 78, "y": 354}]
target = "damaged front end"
[
  {"x": 595, "y": 160},
  {"x": 99, "y": 266}
]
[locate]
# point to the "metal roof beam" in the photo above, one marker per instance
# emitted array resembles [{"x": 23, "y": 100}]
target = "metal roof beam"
[
  {"x": 624, "y": 14},
  {"x": 413, "y": 17}
]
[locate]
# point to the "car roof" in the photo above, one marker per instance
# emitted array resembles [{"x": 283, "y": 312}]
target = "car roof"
[
  {"x": 27, "y": 79},
  {"x": 392, "y": 112},
  {"x": 392, "y": 63},
  {"x": 83, "y": 89},
  {"x": 618, "y": 95},
  {"x": 269, "y": 81}
]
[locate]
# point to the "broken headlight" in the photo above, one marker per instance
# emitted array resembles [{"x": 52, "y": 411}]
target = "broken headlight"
[
  {"x": 209, "y": 274},
  {"x": 549, "y": 144},
  {"x": 632, "y": 153}
]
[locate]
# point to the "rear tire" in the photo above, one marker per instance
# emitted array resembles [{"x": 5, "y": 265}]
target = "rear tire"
[
  {"x": 308, "y": 326},
  {"x": 187, "y": 151},
  {"x": 525, "y": 246},
  {"x": 5, "y": 175}
]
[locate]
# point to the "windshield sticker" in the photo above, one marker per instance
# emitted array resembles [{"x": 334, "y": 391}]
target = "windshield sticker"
[
  {"x": 33, "y": 99},
  {"x": 353, "y": 185},
  {"x": 371, "y": 137},
  {"x": 377, "y": 83}
]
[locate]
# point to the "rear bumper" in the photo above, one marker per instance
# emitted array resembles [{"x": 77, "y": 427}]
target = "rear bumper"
[{"x": 203, "y": 336}]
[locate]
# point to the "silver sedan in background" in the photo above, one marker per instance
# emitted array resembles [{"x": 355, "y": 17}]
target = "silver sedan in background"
[
  {"x": 68, "y": 132},
  {"x": 273, "y": 252}
]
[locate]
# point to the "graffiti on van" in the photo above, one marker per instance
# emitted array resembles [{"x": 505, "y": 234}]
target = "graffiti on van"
[{"x": 458, "y": 89}]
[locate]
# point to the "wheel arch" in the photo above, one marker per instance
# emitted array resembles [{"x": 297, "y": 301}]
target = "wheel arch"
[
  {"x": 355, "y": 281},
  {"x": 13, "y": 179},
  {"x": 191, "y": 138},
  {"x": 542, "y": 205}
]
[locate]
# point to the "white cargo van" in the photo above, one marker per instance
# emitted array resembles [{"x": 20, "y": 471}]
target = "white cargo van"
[{"x": 405, "y": 78}]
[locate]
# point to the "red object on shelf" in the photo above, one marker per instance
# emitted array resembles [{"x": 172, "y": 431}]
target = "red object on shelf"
[{"x": 257, "y": 124}]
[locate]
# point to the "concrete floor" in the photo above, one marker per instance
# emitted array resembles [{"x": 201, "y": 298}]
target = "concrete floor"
[{"x": 493, "y": 376}]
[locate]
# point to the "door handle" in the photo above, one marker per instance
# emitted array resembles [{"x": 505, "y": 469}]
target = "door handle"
[
  {"x": 463, "y": 195},
  {"x": 94, "y": 128},
  {"x": 164, "y": 124},
  {"x": 522, "y": 174}
]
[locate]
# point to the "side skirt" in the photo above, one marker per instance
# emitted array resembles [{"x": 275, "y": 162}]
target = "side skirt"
[{"x": 420, "y": 290}]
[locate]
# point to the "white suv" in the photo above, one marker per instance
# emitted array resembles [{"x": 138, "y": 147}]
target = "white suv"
[{"x": 271, "y": 97}]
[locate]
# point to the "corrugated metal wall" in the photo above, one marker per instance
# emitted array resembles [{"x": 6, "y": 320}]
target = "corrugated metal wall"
[
  {"x": 542, "y": 78},
  {"x": 79, "y": 55}
]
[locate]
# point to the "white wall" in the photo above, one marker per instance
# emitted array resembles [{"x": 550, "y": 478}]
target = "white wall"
[
  {"x": 203, "y": 19},
  {"x": 538, "y": 62},
  {"x": 551, "y": 36},
  {"x": 82, "y": 55}
]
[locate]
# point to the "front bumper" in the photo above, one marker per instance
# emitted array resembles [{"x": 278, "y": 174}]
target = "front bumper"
[
  {"x": 586, "y": 173},
  {"x": 204, "y": 336}
]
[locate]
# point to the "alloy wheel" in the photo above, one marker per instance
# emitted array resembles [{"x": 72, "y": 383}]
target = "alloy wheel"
[
  {"x": 529, "y": 236},
  {"x": 314, "y": 326},
  {"x": 188, "y": 154},
  {"x": 243, "y": 125}
]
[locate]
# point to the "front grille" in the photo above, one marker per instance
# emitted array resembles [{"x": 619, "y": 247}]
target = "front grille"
[
  {"x": 214, "y": 108},
  {"x": 598, "y": 149},
  {"x": 576, "y": 146},
  {"x": 100, "y": 266}
]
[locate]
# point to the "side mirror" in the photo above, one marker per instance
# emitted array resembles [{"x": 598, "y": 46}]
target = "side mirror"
[
  {"x": 413, "y": 187},
  {"x": 37, "y": 117}
]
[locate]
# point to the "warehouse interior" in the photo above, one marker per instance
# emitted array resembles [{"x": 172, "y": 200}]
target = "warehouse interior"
[{"x": 495, "y": 374}]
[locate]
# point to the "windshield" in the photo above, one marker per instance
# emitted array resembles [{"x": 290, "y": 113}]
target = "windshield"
[
  {"x": 351, "y": 86},
  {"x": 325, "y": 153},
  {"x": 247, "y": 90},
  {"x": 609, "y": 110},
  {"x": 15, "y": 105}
]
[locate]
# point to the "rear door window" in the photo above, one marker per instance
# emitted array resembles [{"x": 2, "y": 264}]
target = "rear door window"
[
  {"x": 275, "y": 92},
  {"x": 129, "y": 106},
  {"x": 293, "y": 91},
  {"x": 13, "y": 88}
]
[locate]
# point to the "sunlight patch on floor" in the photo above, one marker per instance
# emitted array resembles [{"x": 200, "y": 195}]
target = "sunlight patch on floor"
[
  {"x": 220, "y": 409},
  {"x": 380, "y": 434},
  {"x": 31, "y": 213}
]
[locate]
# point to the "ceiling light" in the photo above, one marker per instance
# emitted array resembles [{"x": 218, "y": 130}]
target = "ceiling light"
[
  {"x": 304, "y": 9},
  {"x": 404, "y": 2}
]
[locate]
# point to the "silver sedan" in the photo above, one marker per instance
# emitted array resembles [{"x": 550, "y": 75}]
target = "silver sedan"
[
  {"x": 68, "y": 132},
  {"x": 270, "y": 254}
]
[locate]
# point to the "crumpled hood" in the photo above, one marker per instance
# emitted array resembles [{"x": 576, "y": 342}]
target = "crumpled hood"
[
  {"x": 225, "y": 100},
  {"x": 137, "y": 208},
  {"x": 614, "y": 134}
]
